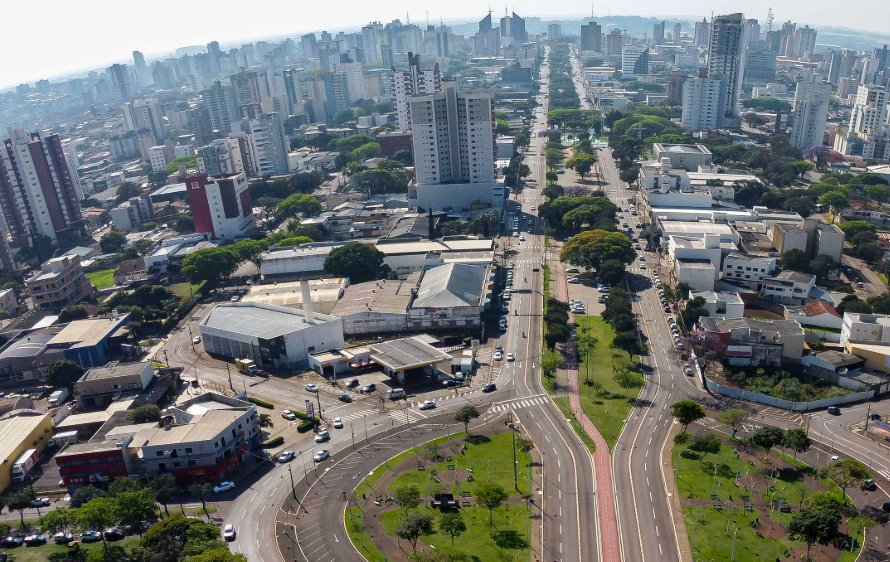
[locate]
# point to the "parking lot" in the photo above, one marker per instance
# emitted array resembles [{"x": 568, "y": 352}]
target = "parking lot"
[{"x": 586, "y": 292}]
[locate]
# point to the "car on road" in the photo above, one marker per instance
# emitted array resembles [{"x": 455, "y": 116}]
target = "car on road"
[
  {"x": 490, "y": 387},
  {"x": 521, "y": 238},
  {"x": 286, "y": 456},
  {"x": 833, "y": 459},
  {"x": 498, "y": 356},
  {"x": 533, "y": 207},
  {"x": 515, "y": 234},
  {"x": 90, "y": 536},
  {"x": 322, "y": 436},
  {"x": 602, "y": 299},
  {"x": 235, "y": 298},
  {"x": 427, "y": 405},
  {"x": 511, "y": 356},
  {"x": 642, "y": 258},
  {"x": 499, "y": 348},
  {"x": 34, "y": 540},
  {"x": 642, "y": 266},
  {"x": 448, "y": 383},
  {"x": 229, "y": 533},
  {"x": 572, "y": 270},
  {"x": 223, "y": 486},
  {"x": 321, "y": 455},
  {"x": 40, "y": 502},
  {"x": 834, "y": 410},
  {"x": 868, "y": 484},
  {"x": 196, "y": 339},
  {"x": 63, "y": 538},
  {"x": 338, "y": 423},
  {"x": 345, "y": 397},
  {"x": 688, "y": 371},
  {"x": 874, "y": 416},
  {"x": 369, "y": 388},
  {"x": 573, "y": 280},
  {"x": 311, "y": 387},
  {"x": 288, "y": 415},
  {"x": 353, "y": 383}
]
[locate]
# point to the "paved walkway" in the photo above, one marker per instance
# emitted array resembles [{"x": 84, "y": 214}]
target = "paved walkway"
[{"x": 602, "y": 460}]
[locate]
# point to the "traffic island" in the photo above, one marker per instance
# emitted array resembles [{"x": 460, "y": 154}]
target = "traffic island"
[
  {"x": 738, "y": 502},
  {"x": 439, "y": 493}
]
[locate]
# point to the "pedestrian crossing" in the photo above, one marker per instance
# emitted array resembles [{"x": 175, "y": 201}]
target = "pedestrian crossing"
[
  {"x": 397, "y": 410},
  {"x": 519, "y": 403}
]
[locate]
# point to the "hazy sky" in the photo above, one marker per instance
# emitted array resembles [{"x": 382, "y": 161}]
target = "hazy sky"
[{"x": 45, "y": 38}]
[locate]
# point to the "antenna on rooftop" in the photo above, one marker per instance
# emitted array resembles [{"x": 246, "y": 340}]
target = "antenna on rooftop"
[{"x": 769, "y": 20}]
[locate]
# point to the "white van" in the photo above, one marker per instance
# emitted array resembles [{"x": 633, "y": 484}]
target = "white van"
[{"x": 396, "y": 393}]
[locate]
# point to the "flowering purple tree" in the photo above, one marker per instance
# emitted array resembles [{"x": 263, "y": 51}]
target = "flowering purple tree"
[{"x": 577, "y": 190}]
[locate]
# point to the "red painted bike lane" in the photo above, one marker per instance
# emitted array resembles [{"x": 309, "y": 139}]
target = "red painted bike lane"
[{"x": 602, "y": 460}]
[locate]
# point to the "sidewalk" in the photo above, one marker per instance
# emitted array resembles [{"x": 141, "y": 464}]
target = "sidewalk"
[{"x": 602, "y": 459}]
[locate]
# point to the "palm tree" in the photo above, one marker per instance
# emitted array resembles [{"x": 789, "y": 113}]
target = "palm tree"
[{"x": 265, "y": 420}]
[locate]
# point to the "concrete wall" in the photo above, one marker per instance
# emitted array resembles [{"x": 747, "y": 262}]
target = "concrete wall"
[
  {"x": 699, "y": 278},
  {"x": 786, "y": 404}
]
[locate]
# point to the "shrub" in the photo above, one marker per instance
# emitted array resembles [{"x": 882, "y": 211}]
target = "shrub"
[
  {"x": 305, "y": 426},
  {"x": 260, "y": 402},
  {"x": 274, "y": 442}
]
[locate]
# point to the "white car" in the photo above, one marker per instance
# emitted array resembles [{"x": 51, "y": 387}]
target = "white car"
[
  {"x": 196, "y": 339},
  {"x": 515, "y": 234},
  {"x": 229, "y": 532},
  {"x": 311, "y": 387},
  {"x": 427, "y": 405},
  {"x": 533, "y": 207},
  {"x": 321, "y": 455},
  {"x": 498, "y": 356},
  {"x": 288, "y": 415},
  {"x": 573, "y": 280},
  {"x": 833, "y": 459},
  {"x": 338, "y": 423},
  {"x": 286, "y": 456},
  {"x": 235, "y": 298},
  {"x": 40, "y": 502},
  {"x": 322, "y": 436},
  {"x": 223, "y": 486},
  {"x": 642, "y": 266},
  {"x": 511, "y": 357},
  {"x": 521, "y": 238}
]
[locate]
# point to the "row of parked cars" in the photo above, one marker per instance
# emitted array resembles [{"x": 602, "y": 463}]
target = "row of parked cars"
[{"x": 62, "y": 537}]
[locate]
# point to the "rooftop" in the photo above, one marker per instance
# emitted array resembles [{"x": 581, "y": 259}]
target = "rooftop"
[
  {"x": 85, "y": 332},
  {"x": 796, "y": 276},
  {"x": 387, "y": 296},
  {"x": 453, "y": 285},
  {"x": 28, "y": 346},
  {"x": 681, "y": 148},
  {"x": 203, "y": 428},
  {"x": 713, "y": 297},
  {"x": 15, "y": 427},
  {"x": 407, "y": 353},
  {"x": 814, "y": 309},
  {"x": 113, "y": 371},
  {"x": 259, "y": 320},
  {"x": 838, "y": 359},
  {"x": 713, "y": 324}
]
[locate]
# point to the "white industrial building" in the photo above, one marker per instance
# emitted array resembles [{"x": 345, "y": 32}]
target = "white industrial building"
[
  {"x": 788, "y": 287},
  {"x": 747, "y": 270},
  {"x": 689, "y": 157},
  {"x": 723, "y": 305},
  {"x": 273, "y": 336}
]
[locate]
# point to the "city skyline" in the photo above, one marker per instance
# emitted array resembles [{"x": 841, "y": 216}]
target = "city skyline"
[{"x": 91, "y": 51}]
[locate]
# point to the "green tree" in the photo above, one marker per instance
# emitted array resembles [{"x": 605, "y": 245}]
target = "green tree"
[
  {"x": 210, "y": 264},
  {"x": 589, "y": 249},
  {"x": 112, "y": 241},
  {"x": 407, "y": 497},
  {"x": 264, "y": 421},
  {"x": 19, "y": 501},
  {"x": 452, "y": 522},
  {"x": 74, "y": 312},
  {"x": 63, "y": 372},
  {"x": 404, "y": 156},
  {"x": 525, "y": 445},
  {"x": 836, "y": 200},
  {"x": 582, "y": 163},
  {"x": 121, "y": 485},
  {"x": 686, "y": 412},
  {"x": 308, "y": 205},
  {"x": 57, "y": 520},
  {"x": 357, "y": 261},
  {"x": 814, "y": 526},
  {"x": 125, "y": 191},
  {"x": 550, "y": 363},
  {"x": 85, "y": 494},
  {"x": 879, "y": 192},
  {"x": 203, "y": 492},
  {"x": 847, "y": 472},
  {"x": 733, "y": 418},
  {"x": 184, "y": 224},
  {"x": 706, "y": 443},
  {"x": 135, "y": 508},
  {"x": 165, "y": 488},
  {"x": 379, "y": 181},
  {"x": 491, "y": 496},
  {"x": 465, "y": 415},
  {"x": 413, "y": 526},
  {"x": 795, "y": 260},
  {"x": 767, "y": 437},
  {"x": 343, "y": 116},
  {"x": 144, "y": 414},
  {"x": 853, "y": 228},
  {"x": 97, "y": 514},
  {"x": 190, "y": 161},
  {"x": 221, "y": 554},
  {"x": 293, "y": 241},
  {"x": 797, "y": 440}
]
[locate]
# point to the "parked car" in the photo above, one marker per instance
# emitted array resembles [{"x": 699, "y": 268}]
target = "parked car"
[
  {"x": 288, "y": 415},
  {"x": 448, "y": 383},
  {"x": 114, "y": 534},
  {"x": 196, "y": 339},
  {"x": 321, "y": 455},
  {"x": 868, "y": 484},
  {"x": 427, "y": 405},
  {"x": 34, "y": 540},
  {"x": 833, "y": 459},
  {"x": 62, "y": 538},
  {"x": 13, "y": 541},
  {"x": 311, "y": 387},
  {"x": 223, "y": 486},
  {"x": 353, "y": 383},
  {"x": 90, "y": 536},
  {"x": 40, "y": 502},
  {"x": 498, "y": 356},
  {"x": 338, "y": 423},
  {"x": 229, "y": 532},
  {"x": 286, "y": 456}
]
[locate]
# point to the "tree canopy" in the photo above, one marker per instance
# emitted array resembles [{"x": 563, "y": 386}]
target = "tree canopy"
[
  {"x": 210, "y": 264},
  {"x": 359, "y": 262},
  {"x": 591, "y": 248}
]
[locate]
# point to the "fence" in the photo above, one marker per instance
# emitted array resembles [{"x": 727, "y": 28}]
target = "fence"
[{"x": 787, "y": 404}]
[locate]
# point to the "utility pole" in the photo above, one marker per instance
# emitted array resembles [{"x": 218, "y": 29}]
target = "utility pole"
[
  {"x": 867, "y": 415},
  {"x": 229, "y": 373},
  {"x": 318, "y": 397},
  {"x": 293, "y": 488}
]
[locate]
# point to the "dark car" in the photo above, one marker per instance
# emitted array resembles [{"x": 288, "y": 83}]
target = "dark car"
[
  {"x": 369, "y": 388},
  {"x": 352, "y": 383},
  {"x": 887, "y": 505},
  {"x": 874, "y": 416},
  {"x": 90, "y": 536},
  {"x": 345, "y": 398},
  {"x": 114, "y": 534},
  {"x": 35, "y": 540},
  {"x": 12, "y": 541},
  {"x": 834, "y": 410},
  {"x": 490, "y": 387}
]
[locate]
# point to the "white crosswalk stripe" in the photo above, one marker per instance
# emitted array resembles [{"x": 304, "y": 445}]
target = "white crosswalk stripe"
[{"x": 518, "y": 404}]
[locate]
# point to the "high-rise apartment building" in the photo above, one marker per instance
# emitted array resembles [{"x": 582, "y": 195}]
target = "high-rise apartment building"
[
  {"x": 841, "y": 65},
  {"x": 336, "y": 93},
  {"x": 412, "y": 82},
  {"x": 247, "y": 90},
  {"x": 121, "y": 83},
  {"x": 454, "y": 149},
  {"x": 702, "y": 33},
  {"x": 592, "y": 37},
  {"x": 726, "y": 60},
  {"x": 145, "y": 113},
  {"x": 804, "y": 42},
  {"x": 221, "y": 205},
  {"x": 294, "y": 90},
  {"x": 513, "y": 26},
  {"x": 355, "y": 80},
  {"x": 677, "y": 32},
  {"x": 703, "y": 101},
  {"x": 614, "y": 43},
  {"x": 809, "y": 114},
  {"x": 371, "y": 42},
  {"x": 487, "y": 40},
  {"x": 143, "y": 73},
  {"x": 267, "y": 143},
  {"x": 554, "y": 31},
  {"x": 310, "y": 46},
  {"x": 867, "y": 134},
  {"x": 634, "y": 61},
  {"x": 658, "y": 32},
  {"x": 37, "y": 190},
  {"x": 221, "y": 103},
  {"x": 675, "y": 87},
  {"x": 760, "y": 62}
]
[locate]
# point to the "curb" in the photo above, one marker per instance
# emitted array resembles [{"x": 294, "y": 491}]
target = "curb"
[{"x": 681, "y": 538}]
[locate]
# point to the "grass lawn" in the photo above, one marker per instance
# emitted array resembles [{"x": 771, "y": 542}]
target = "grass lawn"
[
  {"x": 102, "y": 279},
  {"x": 185, "y": 289},
  {"x": 883, "y": 278},
  {"x": 367, "y": 484},
  {"x": 495, "y": 454},
  {"x": 505, "y": 540},
  {"x": 696, "y": 478},
  {"x": 711, "y": 540},
  {"x": 352, "y": 520},
  {"x": 42, "y": 553},
  {"x": 563, "y": 405},
  {"x": 608, "y": 408}
]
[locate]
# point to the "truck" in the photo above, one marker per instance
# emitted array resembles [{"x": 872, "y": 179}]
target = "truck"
[
  {"x": 58, "y": 397},
  {"x": 24, "y": 464},
  {"x": 246, "y": 366},
  {"x": 60, "y": 439}
]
